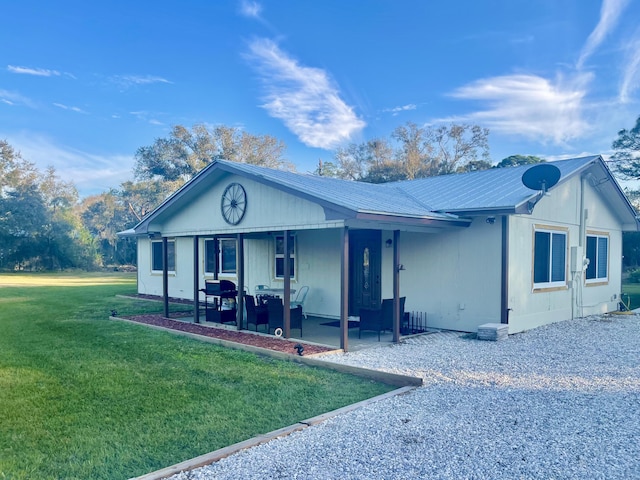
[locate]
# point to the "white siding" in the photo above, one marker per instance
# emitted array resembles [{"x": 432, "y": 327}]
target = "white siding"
[
  {"x": 561, "y": 208},
  {"x": 267, "y": 209},
  {"x": 453, "y": 276}
]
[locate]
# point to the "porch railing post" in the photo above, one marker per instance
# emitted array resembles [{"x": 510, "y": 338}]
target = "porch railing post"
[
  {"x": 396, "y": 286},
  {"x": 344, "y": 290},
  {"x": 196, "y": 280},
  {"x": 165, "y": 276},
  {"x": 287, "y": 285},
  {"x": 240, "y": 269}
]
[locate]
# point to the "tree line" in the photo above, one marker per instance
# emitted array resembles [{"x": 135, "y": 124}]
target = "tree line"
[{"x": 44, "y": 225}]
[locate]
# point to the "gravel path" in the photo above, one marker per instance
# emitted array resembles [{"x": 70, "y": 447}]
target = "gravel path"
[{"x": 557, "y": 402}]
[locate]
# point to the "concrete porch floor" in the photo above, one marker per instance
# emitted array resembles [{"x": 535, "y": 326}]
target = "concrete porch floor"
[{"x": 313, "y": 331}]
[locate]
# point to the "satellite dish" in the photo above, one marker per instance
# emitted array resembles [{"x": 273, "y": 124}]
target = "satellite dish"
[{"x": 541, "y": 177}]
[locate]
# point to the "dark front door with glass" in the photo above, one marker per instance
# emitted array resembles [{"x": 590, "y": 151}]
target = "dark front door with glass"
[{"x": 364, "y": 270}]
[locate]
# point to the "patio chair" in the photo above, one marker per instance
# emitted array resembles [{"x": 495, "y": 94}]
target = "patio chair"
[
  {"x": 370, "y": 320},
  {"x": 387, "y": 313},
  {"x": 256, "y": 315},
  {"x": 299, "y": 300},
  {"x": 275, "y": 308}
]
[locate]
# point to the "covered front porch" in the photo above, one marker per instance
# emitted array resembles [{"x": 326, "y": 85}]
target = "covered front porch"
[{"x": 341, "y": 279}]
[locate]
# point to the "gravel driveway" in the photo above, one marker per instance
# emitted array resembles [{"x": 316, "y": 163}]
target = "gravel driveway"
[{"x": 557, "y": 402}]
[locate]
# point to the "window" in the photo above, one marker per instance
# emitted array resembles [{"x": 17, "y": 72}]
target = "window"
[
  {"x": 280, "y": 256},
  {"x": 156, "y": 256},
  {"x": 226, "y": 259},
  {"x": 598, "y": 255},
  {"x": 550, "y": 258}
]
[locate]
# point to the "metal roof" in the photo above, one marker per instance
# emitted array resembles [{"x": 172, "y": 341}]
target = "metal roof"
[
  {"x": 499, "y": 189},
  {"x": 444, "y": 198},
  {"x": 356, "y": 196}
]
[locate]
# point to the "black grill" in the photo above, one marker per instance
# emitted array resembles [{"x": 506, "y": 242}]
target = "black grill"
[{"x": 220, "y": 288}]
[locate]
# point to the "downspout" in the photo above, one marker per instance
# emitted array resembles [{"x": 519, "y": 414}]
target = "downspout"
[
  {"x": 577, "y": 277},
  {"x": 504, "y": 280}
]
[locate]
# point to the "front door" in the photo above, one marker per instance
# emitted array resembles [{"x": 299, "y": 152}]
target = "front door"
[{"x": 364, "y": 270}]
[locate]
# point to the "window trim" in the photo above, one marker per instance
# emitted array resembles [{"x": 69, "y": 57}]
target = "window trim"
[
  {"x": 277, "y": 256},
  {"x": 597, "y": 280},
  {"x": 550, "y": 285},
  {"x": 219, "y": 262},
  {"x": 169, "y": 241}
]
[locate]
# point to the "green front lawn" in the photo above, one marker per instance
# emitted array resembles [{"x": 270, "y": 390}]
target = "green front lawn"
[{"x": 84, "y": 397}]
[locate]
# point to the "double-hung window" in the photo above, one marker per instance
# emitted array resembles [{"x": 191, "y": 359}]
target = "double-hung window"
[
  {"x": 598, "y": 255},
  {"x": 279, "y": 259},
  {"x": 156, "y": 256},
  {"x": 225, "y": 259},
  {"x": 549, "y": 258}
]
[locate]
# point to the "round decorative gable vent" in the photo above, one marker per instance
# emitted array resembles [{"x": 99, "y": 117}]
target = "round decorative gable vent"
[{"x": 233, "y": 204}]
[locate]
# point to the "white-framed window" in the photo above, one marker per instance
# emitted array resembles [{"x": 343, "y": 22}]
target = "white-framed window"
[
  {"x": 598, "y": 255},
  {"x": 549, "y": 258},
  {"x": 226, "y": 257},
  {"x": 279, "y": 256},
  {"x": 156, "y": 256}
]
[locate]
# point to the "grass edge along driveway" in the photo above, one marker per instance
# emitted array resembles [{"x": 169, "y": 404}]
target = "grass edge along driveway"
[{"x": 85, "y": 397}]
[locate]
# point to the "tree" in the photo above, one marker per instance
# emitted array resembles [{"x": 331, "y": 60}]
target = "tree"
[
  {"x": 356, "y": 160},
  {"x": 454, "y": 145},
  {"x": 176, "y": 159},
  {"x": 474, "y": 166},
  {"x": 103, "y": 216},
  {"x": 626, "y": 158},
  {"x": 516, "y": 160},
  {"x": 416, "y": 152},
  {"x": 39, "y": 226},
  {"x": 327, "y": 169}
]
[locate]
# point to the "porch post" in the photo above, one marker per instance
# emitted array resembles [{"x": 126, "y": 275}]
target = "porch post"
[
  {"x": 165, "y": 276},
  {"x": 287, "y": 285},
  {"x": 240, "y": 270},
  {"x": 344, "y": 290},
  {"x": 396, "y": 286},
  {"x": 216, "y": 260},
  {"x": 196, "y": 280}
]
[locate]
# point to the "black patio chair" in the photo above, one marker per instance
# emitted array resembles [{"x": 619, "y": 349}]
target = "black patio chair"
[
  {"x": 370, "y": 320},
  {"x": 387, "y": 313},
  {"x": 275, "y": 308},
  {"x": 256, "y": 315}
]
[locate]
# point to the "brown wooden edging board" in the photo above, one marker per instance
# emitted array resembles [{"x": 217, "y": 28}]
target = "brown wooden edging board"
[{"x": 216, "y": 455}]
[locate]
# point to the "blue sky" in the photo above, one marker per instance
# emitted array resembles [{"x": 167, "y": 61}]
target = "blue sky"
[{"x": 84, "y": 84}]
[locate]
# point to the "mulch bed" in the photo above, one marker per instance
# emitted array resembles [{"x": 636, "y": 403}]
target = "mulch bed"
[{"x": 263, "y": 341}]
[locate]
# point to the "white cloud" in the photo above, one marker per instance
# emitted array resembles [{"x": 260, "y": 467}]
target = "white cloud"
[
  {"x": 14, "y": 99},
  {"x": 609, "y": 15},
  {"x": 529, "y": 106},
  {"x": 250, "y": 9},
  {"x": 304, "y": 98},
  {"x": 404, "y": 108},
  {"x": 133, "y": 80},
  {"x": 91, "y": 173},
  {"x": 631, "y": 74},
  {"x": 66, "y": 107},
  {"x": 40, "y": 72}
]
